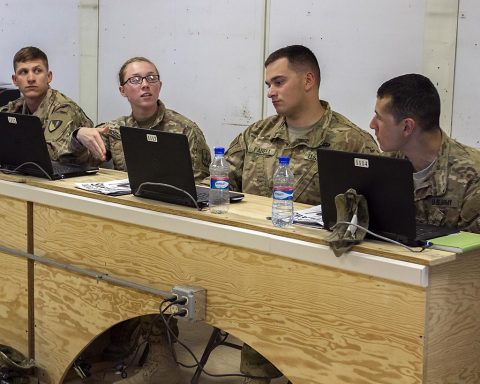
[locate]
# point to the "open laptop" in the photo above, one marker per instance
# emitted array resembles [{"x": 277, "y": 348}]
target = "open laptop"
[
  {"x": 386, "y": 183},
  {"x": 153, "y": 157},
  {"x": 23, "y": 149}
]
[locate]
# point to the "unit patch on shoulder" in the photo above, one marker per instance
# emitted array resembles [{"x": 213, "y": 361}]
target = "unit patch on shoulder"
[{"x": 54, "y": 124}]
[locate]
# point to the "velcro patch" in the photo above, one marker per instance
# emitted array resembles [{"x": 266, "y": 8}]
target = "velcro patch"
[
  {"x": 54, "y": 124},
  {"x": 262, "y": 151},
  {"x": 310, "y": 155}
]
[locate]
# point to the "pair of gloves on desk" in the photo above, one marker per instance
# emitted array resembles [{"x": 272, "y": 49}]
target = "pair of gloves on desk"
[{"x": 352, "y": 210}]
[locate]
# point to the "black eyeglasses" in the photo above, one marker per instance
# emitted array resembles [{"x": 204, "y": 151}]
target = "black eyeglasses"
[{"x": 136, "y": 80}]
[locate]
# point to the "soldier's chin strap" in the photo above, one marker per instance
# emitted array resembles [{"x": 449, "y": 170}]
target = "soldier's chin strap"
[{"x": 352, "y": 213}]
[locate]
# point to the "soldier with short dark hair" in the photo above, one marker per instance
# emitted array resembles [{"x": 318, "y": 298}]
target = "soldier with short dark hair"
[
  {"x": 59, "y": 115},
  {"x": 446, "y": 173},
  {"x": 303, "y": 123},
  {"x": 139, "y": 82}
]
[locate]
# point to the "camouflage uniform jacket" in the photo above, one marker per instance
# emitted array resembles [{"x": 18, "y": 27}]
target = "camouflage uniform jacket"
[
  {"x": 451, "y": 195},
  {"x": 166, "y": 121},
  {"x": 59, "y": 115},
  {"x": 253, "y": 154}
]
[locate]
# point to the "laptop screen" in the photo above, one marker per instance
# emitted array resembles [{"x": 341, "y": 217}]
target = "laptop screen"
[
  {"x": 386, "y": 183},
  {"x": 22, "y": 141},
  {"x": 155, "y": 157}
]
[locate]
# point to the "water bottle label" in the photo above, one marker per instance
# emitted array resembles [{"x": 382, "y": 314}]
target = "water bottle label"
[
  {"x": 217, "y": 182},
  {"x": 283, "y": 194}
]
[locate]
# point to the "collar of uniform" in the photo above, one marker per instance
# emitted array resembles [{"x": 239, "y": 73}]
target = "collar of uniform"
[
  {"x": 440, "y": 174},
  {"x": 437, "y": 186},
  {"x": 45, "y": 102},
  {"x": 160, "y": 114},
  {"x": 316, "y": 136}
]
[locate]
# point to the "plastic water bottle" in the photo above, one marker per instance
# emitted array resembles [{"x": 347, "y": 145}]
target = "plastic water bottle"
[
  {"x": 218, "y": 198},
  {"x": 282, "y": 204}
]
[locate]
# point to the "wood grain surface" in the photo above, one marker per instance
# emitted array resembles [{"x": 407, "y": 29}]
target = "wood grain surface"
[
  {"x": 453, "y": 313},
  {"x": 14, "y": 287},
  {"x": 72, "y": 310},
  {"x": 13, "y": 223},
  {"x": 249, "y": 214},
  {"x": 14, "y": 303},
  {"x": 316, "y": 324}
]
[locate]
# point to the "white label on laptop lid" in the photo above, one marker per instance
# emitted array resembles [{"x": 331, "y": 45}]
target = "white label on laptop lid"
[
  {"x": 151, "y": 138},
  {"x": 363, "y": 163}
]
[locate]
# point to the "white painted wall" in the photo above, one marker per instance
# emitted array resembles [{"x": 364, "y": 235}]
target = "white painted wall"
[
  {"x": 466, "y": 111},
  {"x": 210, "y": 52},
  {"x": 51, "y": 25}
]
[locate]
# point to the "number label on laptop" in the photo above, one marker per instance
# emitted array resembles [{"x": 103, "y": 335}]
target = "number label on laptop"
[
  {"x": 151, "y": 138},
  {"x": 12, "y": 120},
  {"x": 361, "y": 162}
]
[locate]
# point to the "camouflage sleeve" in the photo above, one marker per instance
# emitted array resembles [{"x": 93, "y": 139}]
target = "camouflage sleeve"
[
  {"x": 362, "y": 142},
  {"x": 470, "y": 211},
  {"x": 235, "y": 156},
  {"x": 76, "y": 153},
  {"x": 200, "y": 154},
  {"x": 60, "y": 125}
]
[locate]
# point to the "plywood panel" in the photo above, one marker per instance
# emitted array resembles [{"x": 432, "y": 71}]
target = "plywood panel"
[
  {"x": 316, "y": 324},
  {"x": 14, "y": 303},
  {"x": 13, "y": 223},
  {"x": 71, "y": 310},
  {"x": 453, "y": 339},
  {"x": 13, "y": 289}
]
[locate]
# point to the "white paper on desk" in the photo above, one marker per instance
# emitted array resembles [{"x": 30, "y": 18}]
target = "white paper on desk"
[
  {"x": 310, "y": 216},
  {"x": 112, "y": 188}
]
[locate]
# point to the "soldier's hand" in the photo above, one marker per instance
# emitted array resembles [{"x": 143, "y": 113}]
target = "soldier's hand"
[{"x": 91, "y": 138}]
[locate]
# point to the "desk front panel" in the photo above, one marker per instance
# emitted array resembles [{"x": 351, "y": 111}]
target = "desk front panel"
[
  {"x": 316, "y": 324},
  {"x": 14, "y": 286}
]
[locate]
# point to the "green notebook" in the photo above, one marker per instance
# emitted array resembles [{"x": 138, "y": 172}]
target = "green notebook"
[{"x": 457, "y": 242}]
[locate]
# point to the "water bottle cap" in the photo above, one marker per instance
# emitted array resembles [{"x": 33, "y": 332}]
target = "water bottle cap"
[
  {"x": 219, "y": 150},
  {"x": 284, "y": 160}
]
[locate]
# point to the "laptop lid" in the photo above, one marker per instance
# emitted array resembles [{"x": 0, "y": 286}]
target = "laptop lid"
[
  {"x": 22, "y": 142},
  {"x": 153, "y": 158},
  {"x": 387, "y": 185}
]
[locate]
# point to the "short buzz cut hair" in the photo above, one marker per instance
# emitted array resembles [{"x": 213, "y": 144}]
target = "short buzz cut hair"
[
  {"x": 123, "y": 68},
  {"x": 28, "y": 54},
  {"x": 299, "y": 57},
  {"x": 413, "y": 95}
]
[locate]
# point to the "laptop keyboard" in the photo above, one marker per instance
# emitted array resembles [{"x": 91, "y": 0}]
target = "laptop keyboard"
[{"x": 61, "y": 169}]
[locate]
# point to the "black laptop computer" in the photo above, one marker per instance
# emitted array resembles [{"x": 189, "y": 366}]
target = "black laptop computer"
[
  {"x": 159, "y": 167},
  {"x": 386, "y": 183},
  {"x": 23, "y": 149}
]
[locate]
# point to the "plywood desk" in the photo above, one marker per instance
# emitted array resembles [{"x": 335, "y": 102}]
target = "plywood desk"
[{"x": 379, "y": 314}]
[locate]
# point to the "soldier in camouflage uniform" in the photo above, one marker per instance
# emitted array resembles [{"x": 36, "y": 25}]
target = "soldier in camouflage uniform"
[
  {"x": 140, "y": 83},
  {"x": 446, "y": 173},
  {"x": 59, "y": 115},
  {"x": 303, "y": 124}
]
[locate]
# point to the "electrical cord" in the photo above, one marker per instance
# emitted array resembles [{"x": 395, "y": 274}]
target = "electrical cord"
[
  {"x": 147, "y": 183},
  {"x": 16, "y": 170},
  {"x": 380, "y": 236},
  {"x": 192, "y": 354}
]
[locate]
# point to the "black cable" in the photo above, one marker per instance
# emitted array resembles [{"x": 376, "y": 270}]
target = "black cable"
[
  {"x": 16, "y": 171},
  {"x": 168, "y": 186},
  {"x": 197, "y": 361},
  {"x": 380, "y": 237}
]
